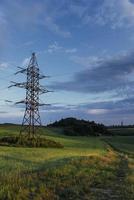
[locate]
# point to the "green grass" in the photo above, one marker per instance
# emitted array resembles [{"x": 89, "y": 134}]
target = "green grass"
[
  {"x": 27, "y": 158},
  {"x": 122, "y": 143},
  {"x": 122, "y": 131},
  {"x": 66, "y": 181},
  {"x": 84, "y": 168},
  {"x": 125, "y": 145}
]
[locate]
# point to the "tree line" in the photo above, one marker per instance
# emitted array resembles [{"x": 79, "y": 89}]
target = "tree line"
[{"x": 77, "y": 127}]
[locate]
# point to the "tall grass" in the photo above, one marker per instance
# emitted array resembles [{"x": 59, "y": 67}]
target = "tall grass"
[{"x": 84, "y": 169}]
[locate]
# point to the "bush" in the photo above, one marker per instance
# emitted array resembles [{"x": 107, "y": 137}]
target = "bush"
[{"x": 29, "y": 142}]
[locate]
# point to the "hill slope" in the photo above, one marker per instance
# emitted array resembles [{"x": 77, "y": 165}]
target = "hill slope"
[{"x": 76, "y": 127}]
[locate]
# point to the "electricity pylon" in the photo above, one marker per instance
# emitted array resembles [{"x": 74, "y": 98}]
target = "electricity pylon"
[{"x": 31, "y": 120}]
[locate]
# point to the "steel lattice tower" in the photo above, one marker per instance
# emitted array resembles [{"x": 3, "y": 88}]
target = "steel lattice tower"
[{"x": 31, "y": 120}]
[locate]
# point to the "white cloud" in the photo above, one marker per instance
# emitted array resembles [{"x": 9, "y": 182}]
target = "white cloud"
[
  {"x": 25, "y": 15},
  {"x": 4, "y": 65},
  {"x": 78, "y": 10},
  {"x": 25, "y": 61},
  {"x": 88, "y": 62},
  {"x": 11, "y": 114},
  {"x": 26, "y": 44},
  {"x": 54, "y": 27},
  {"x": 97, "y": 111},
  {"x": 74, "y": 50},
  {"x": 55, "y": 47},
  {"x": 116, "y": 13}
]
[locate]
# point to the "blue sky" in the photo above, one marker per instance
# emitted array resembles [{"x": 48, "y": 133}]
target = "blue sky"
[{"x": 86, "y": 46}]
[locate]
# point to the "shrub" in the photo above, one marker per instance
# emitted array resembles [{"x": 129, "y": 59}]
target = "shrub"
[{"x": 29, "y": 142}]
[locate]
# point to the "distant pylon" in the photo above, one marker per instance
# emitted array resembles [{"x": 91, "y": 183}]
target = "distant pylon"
[
  {"x": 31, "y": 120},
  {"x": 122, "y": 123}
]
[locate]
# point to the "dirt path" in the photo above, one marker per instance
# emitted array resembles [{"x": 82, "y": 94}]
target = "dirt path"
[{"x": 119, "y": 187}]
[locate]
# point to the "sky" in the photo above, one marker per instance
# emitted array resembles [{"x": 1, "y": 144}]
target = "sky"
[{"x": 85, "y": 46}]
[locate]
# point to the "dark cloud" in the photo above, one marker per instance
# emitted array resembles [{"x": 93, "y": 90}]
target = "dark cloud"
[
  {"x": 107, "y": 112},
  {"x": 127, "y": 103},
  {"x": 3, "y": 112},
  {"x": 110, "y": 112},
  {"x": 110, "y": 74}
]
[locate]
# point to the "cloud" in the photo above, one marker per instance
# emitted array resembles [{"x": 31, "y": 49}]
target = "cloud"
[
  {"x": 91, "y": 61},
  {"x": 52, "y": 26},
  {"x": 18, "y": 114},
  {"x": 116, "y": 13},
  {"x": 108, "y": 112},
  {"x": 97, "y": 111},
  {"x": 55, "y": 48},
  {"x": 73, "y": 50},
  {"x": 57, "y": 107},
  {"x": 3, "y": 29},
  {"x": 94, "y": 108},
  {"x": 109, "y": 74},
  {"x": 27, "y": 15},
  {"x": 4, "y": 65},
  {"x": 50, "y": 15},
  {"x": 26, "y": 44},
  {"x": 113, "y": 13},
  {"x": 3, "y": 112},
  {"x": 25, "y": 62}
]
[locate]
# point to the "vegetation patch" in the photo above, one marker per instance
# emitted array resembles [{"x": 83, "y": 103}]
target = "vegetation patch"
[
  {"x": 76, "y": 127},
  {"x": 86, "y": 169},
  {"x": 124, "y": 144},
  {"x": 16, "y": 141},
  {"x": 87, "y": 177},
  {"x": 122, "y": 131}
]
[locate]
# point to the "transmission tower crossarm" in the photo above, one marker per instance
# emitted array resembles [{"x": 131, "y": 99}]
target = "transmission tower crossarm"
[
  {"x": 8, "y": 101},
  {"x": 21, "y": 71},
  {"x": 42, "y": 90},
  {"x": 43, "y": 76},
  {"x": 18, "y": 102},
  {"x": 44, "y": 104},
  {"x": 21, "y": 85},
  {"x": 20, "y": 67}
]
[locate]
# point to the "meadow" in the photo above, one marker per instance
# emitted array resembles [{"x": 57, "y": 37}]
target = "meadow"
[
  {"x": 86, "y": 168},
  {"x": 122, "y": 143}
]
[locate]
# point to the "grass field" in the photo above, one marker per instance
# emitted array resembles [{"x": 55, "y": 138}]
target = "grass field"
[
  {"x": 125, "y": 144},
  {"x": 122, "y": 143},
  {"x": 85, "y": 168},
  {"x": 122, "y": 131}
]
